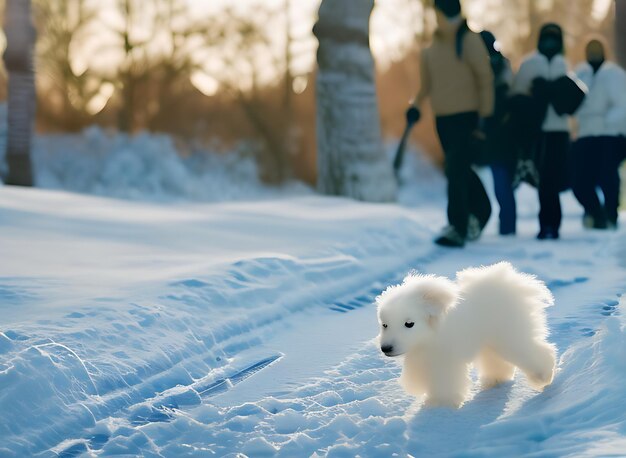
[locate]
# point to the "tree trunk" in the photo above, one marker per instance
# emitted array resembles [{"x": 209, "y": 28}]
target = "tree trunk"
[
  {"x": 351, "y": 159},
  {"x": 18, "y": 58},
  {"x": 620, "y": 31}
]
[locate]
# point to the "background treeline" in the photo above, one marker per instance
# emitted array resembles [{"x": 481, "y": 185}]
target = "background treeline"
[{"x": 227, "y": 74}]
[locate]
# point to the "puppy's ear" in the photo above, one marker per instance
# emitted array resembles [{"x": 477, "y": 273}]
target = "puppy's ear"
[{"x": 439, "y": 294}]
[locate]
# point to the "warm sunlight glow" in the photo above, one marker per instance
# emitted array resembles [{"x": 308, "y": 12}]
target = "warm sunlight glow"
[
  {"x": 601, "y": 9},
  {"x": 99, "y": 101},
  {"x": 300, "y": 84},
  {"x": 204, "y": 83}
]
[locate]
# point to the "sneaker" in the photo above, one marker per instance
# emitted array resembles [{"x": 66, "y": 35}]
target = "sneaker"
[
  {"x": 450, "y": 238},
  {"x": 548, "y": 233},
  {"x": 473, "y": 229}
]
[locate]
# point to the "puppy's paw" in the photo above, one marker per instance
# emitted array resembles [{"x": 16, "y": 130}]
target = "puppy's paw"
[
  {"x": 450, "y": 402},
  {"x": 541, "y": 373},
  {"x": 491, "y": 382},
  {"x": 539, "y": 380}
]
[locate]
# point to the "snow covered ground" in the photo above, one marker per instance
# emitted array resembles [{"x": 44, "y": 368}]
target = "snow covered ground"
[{"x": 173, "y": 328}]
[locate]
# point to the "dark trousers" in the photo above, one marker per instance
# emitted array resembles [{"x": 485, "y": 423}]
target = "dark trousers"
[
  {"x": 503, "y": 187},
  {"x": 597, "y": 161},
  {"x": 552, "y": 164},
  {"x": 466, "y": 193}
]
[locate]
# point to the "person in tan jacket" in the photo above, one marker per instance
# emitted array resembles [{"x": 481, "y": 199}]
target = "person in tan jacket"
[{"x": 456, "y": 75}]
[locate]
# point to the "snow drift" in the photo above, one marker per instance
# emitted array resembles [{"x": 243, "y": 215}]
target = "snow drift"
[{"x": 145, "y": 166}]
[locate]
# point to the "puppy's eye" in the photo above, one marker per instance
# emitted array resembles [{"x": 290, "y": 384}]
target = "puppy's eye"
[
  {"x": 409, "y": 324},
  {"x": 385, "y": 326}
]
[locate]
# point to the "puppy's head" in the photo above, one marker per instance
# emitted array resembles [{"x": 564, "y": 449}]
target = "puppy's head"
[{"x": 409, "y": 314}]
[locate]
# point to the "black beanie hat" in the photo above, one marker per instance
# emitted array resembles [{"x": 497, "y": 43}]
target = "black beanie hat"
[
  {"x": 551, "y": 29},
  {"x": 450, "y": 8}
]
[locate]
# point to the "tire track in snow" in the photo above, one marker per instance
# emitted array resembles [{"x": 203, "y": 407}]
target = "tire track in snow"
[{"x": 218, "y": 346}]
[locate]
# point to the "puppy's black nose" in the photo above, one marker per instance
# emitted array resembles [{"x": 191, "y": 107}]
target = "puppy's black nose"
[{"x": 387, "y": 348}]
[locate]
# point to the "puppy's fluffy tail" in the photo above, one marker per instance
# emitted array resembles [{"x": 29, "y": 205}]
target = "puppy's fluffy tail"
[{"x": 502, "y": 277}]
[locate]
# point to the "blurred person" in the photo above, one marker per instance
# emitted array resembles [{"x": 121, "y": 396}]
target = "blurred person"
[
  {"x": 501, "y": 155},
  {"x": 456, "y": 75},
  {"x": 536, "y": 72},
  {"x": 601, "y": 128}
]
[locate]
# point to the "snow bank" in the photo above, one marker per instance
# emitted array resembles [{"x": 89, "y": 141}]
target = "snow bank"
[
  {"x": 147, "y": 166},
  {"x": 144, "y": 167}
]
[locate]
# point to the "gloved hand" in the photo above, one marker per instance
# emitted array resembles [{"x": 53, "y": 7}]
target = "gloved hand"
[
  {"x": 477, "y": 144},
  {"x": 413, "y": 115},
  {"x": 479, "y": 135}
]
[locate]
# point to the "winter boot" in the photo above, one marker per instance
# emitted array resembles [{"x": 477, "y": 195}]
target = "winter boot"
[
  {"x": 548, "y": 233},
  {"x": 451, "y": 238}
]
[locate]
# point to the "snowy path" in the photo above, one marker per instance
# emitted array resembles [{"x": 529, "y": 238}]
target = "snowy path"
[{"x": 205, "y": 330}]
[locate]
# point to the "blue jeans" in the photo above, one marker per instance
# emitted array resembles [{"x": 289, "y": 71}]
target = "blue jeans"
[{"x": 502, "y": 182}]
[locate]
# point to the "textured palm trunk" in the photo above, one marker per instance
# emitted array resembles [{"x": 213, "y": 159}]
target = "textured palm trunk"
[
  {"x": 18, "y": 59},
  {"x": 620, "y": 31},
  {"x": 351, "y": 159}
]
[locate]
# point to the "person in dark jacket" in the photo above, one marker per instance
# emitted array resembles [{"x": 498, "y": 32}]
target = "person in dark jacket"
[
  {"x": 499, "y": 150},
  {"x": 534, "y": 78},
  {"x": 601, "y": 128},
  {"x": 456, "y": 75}
]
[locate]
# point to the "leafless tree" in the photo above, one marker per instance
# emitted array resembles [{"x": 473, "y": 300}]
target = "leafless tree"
[
  {"x": 18, "y": 59},
  {"x": 68, "y": 90},
  {"x": 156, "y": 40},
  {"x": 351, "y": 158},
  {"x": 244, "y": 61},
  {"x": 131, "y": 72}
]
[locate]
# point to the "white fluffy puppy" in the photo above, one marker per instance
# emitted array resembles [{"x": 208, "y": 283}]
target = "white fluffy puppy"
[{"x": 492, "y": 317}]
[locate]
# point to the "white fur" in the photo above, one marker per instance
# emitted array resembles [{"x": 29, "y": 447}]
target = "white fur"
[{"x": 492, "y": 317}]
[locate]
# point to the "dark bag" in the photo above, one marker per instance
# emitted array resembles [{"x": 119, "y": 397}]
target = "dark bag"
[
  {"x": 525, "y": 172},
  {"x": 566, "y": 95}
]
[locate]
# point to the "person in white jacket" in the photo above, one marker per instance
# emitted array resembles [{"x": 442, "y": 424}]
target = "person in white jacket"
[
  {"x": 540, "y": 68},
  {"x": 601, "y": 127}
]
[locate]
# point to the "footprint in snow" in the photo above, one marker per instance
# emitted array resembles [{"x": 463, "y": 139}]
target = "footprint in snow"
[
  {"x": 560, "y": 283},
  {"x": 609, "y": 307}
]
